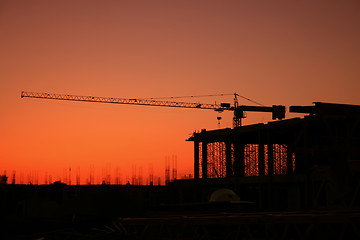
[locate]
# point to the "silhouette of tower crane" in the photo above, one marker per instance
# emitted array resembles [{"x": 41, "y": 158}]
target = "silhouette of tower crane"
[{"x": 278, "y": 111}]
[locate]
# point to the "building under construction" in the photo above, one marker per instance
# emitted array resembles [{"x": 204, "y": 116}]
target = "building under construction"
[{"x": 298, "y": 163}]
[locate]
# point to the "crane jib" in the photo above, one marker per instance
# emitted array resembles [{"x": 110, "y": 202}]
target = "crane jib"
[{"x": 145, "y": 102}]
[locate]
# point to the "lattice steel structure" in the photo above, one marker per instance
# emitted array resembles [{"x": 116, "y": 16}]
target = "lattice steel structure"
[
  {"x": 251, "y": 160},
  {"x": 216, "y": 159}
]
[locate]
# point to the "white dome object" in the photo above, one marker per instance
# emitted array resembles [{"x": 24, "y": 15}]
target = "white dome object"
[{"x": 224, "y": 195}]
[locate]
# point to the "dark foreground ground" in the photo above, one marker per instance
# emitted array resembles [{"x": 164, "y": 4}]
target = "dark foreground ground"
[
  {"x": 216, "y": 225},
  {"x": 176, "y": 211}
]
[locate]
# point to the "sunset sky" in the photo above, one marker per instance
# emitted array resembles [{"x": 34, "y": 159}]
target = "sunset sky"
[{"x": 274, "y": 52}]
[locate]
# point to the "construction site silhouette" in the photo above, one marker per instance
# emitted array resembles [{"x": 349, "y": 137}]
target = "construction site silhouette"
[{"x": 296, "y": 178}]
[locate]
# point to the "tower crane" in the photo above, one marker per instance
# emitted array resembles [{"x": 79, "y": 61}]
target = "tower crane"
[{"x": 278, "y": 111}]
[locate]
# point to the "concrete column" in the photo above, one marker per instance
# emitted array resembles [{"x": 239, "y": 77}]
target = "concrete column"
[
  {"x": 289, "y": 161},
  {"x": 239, "y": 165},
  {"x": 204, "y": 160},
  {"x": 196, "y": 159}
]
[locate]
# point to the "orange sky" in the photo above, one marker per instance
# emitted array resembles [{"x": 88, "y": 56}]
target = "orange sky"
[{"x": 275, "y": 52}]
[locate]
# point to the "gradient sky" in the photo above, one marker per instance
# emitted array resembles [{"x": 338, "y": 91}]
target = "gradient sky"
[{"x": 274, "y": 52}]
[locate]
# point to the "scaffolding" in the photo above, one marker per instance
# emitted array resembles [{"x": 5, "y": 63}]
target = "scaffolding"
[{"x": 217, "y": 167}]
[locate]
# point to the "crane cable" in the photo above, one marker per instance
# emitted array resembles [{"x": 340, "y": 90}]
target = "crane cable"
[
  {"x": 248, "y": 99},
  {"x": 210, "y": 95},
  {"x": 191, "y": 96}
]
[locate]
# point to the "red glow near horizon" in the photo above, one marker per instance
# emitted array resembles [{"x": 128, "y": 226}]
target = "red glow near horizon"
[{"x": 282, "y": 52}]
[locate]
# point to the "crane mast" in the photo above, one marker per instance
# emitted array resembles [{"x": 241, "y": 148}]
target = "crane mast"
[{"x": 277, "y": 110}]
